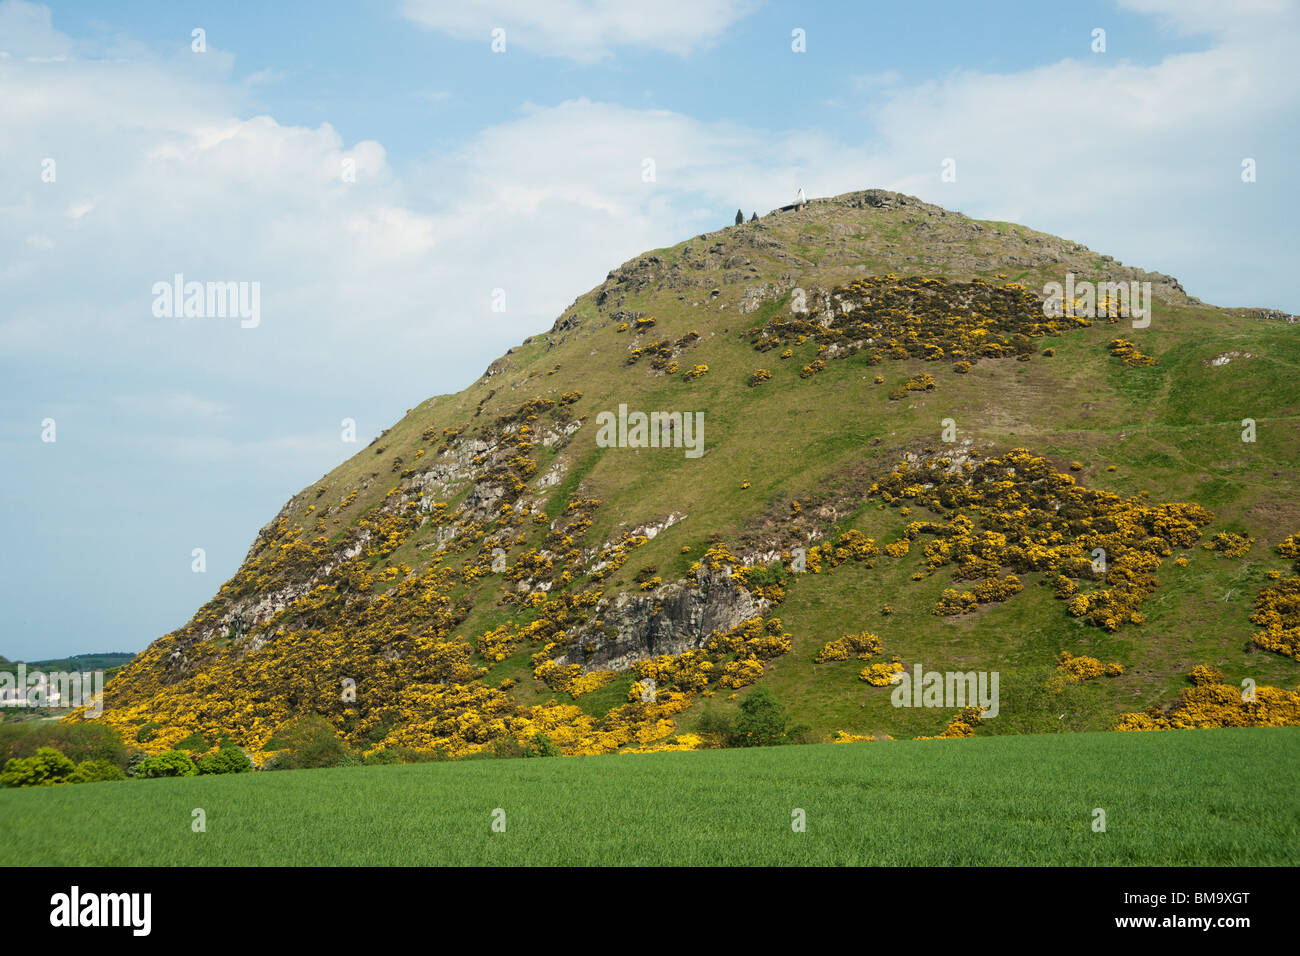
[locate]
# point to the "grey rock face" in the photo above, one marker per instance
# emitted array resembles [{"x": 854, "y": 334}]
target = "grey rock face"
[
  {"x": 674, "y": 619},
  {"x": 564, "y": 323},
  {"x": 482, "y": 500}
]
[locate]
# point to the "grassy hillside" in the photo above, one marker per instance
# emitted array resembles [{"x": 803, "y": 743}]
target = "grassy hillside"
[
  {"x": 386, "y": 572},
  {"x": 1018, "y": 800}
]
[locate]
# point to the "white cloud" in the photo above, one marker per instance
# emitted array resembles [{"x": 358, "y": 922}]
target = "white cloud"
[
  {"x": 1140, "y": 161},
  {"x": 584, "y": 30},
  {"x": 1241, "y": 17},
  {"x": 392, "y": 232},
  {"x": 26, "y": 30},
  {"x": 389, "y": 279}
]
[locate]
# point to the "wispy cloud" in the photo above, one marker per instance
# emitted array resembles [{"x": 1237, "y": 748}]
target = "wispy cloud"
[{"x": 584, "y": 30}]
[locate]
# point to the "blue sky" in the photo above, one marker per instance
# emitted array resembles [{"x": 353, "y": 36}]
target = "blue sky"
[{"x": 518, "y": 170}]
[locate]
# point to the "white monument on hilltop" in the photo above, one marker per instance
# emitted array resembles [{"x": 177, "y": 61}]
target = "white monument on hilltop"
[{"x": 800, "y": 200}]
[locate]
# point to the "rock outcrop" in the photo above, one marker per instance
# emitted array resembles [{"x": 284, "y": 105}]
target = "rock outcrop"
[{"x": 673, "y": 619}]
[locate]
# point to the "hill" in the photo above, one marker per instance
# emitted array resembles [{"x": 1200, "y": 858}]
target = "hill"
[{"x": 877, "y": 449}]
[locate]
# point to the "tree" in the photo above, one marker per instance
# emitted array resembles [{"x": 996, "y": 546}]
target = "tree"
[
  {"x": 90, "y": 740},
  {"x": 227, "y": 759},
  {"x": 309, "y": 742},
  {"x": 542, "y": 747},
  {"x": 46, "y": 768},
  {"x": 762, "y": 720},
  {"x": 96, "y": 771},
  {"x": 740, "y": 217},
  {"x": 754, "y": 218},
  {"x": 174, "y": 763}
]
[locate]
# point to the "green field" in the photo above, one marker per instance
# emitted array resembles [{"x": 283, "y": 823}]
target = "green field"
[{"x": 1203, "y": 797}]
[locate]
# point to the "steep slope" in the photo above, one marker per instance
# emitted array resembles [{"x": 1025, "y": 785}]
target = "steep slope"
[{"x": 888, "y": 414}]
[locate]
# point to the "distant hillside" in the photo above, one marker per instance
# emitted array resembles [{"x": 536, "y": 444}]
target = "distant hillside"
[
  {"x": 905, "y": 458},
  {"x": 77, "y": 662}
]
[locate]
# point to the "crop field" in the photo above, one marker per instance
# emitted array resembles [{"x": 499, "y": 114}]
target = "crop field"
[{"x": 1201, "y": 797}]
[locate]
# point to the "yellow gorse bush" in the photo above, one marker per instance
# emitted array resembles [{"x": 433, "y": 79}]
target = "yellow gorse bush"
[
  {"x": 862, "y": 646},
  {"x": 1211, "y": 703},
  {"x": 1128, "y": 352},
  {"x": 1016, "y": 512},
  {"x": 696, "y": 371},
  {"x": 1277, "y": 608},
  {"x": 1079, "y": 669},
  {"x": 888, "y": 317},
  {"x": 881, "y": 674},
  {"x": 962, "y": 725},
  {"x": 1229, "y": 544}
]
